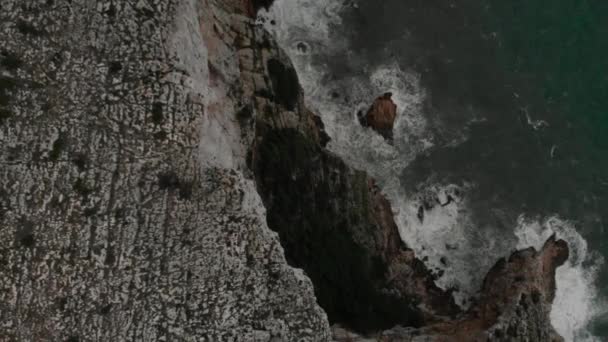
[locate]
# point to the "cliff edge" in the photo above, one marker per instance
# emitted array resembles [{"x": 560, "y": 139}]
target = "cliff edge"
[{"x": 162, "y": 179}]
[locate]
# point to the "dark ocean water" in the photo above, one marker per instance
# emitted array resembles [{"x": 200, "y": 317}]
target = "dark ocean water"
[
  {"x": 562, "y": 47},
  {"x": 535, "y": 72},
  {"x": 517, "y": 62}
]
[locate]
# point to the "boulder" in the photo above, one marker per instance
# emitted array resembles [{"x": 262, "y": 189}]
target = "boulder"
[{"x": 381, "y": 116}]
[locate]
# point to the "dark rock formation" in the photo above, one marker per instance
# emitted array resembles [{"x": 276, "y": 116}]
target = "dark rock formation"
[
  {"x": 325, "y": 218},
  {"x": 332, "y": 220},
  {"x": 514, "y": 304},
  {"x": 381, "y": 116},
  {"x": 252, "y": 6},
  {"x": 285, "y": 84}
]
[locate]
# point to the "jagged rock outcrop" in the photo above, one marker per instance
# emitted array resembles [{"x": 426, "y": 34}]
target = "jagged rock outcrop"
[
  {"x": 381, "y": 116},
  {"x": 514, "y": 304},
  {"x": 125, "y": 213}
]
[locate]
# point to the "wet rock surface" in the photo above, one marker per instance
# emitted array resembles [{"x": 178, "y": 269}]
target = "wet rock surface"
[{"x": 381, "y": 116}]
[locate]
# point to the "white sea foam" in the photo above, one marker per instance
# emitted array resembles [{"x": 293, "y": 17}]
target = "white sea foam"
[
  {"x": 576, "y": 300},
  {"x": 446, "y": 238}
]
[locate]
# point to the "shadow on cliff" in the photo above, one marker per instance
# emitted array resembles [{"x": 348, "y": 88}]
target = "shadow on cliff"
[{"x": 321, "y": 210}]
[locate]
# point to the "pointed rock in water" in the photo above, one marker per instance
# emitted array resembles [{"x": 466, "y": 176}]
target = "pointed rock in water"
[{"x": 381, "y": 116}]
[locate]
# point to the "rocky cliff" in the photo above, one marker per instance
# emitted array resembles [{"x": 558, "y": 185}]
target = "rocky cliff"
[
  {"x": 125, "y": 210},
  {"x": 162, "y": 177}
]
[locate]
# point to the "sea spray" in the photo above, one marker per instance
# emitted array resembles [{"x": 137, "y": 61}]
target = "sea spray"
[
  {"x": 446, "y": 239},
  {"x": 444, "y": 235},
  {"x": 576, "y": 302}
]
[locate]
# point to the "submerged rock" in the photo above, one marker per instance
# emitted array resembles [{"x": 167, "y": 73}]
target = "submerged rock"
[{"x": 381, "y": 116}]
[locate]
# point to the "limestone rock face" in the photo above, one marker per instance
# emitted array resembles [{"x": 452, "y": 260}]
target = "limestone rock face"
[
  {"x": 326, "y": 216},
  {"x": 125, "y": 209},
  {"x": 333, "y": 221},
  {"x": 381, "y": 116}
]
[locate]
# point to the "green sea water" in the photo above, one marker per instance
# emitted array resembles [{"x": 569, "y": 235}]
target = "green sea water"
[
  {"x": 560, "y": 48},
  {"x": 537, "y": 72},
  {"x": 516, "y": 103}
]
